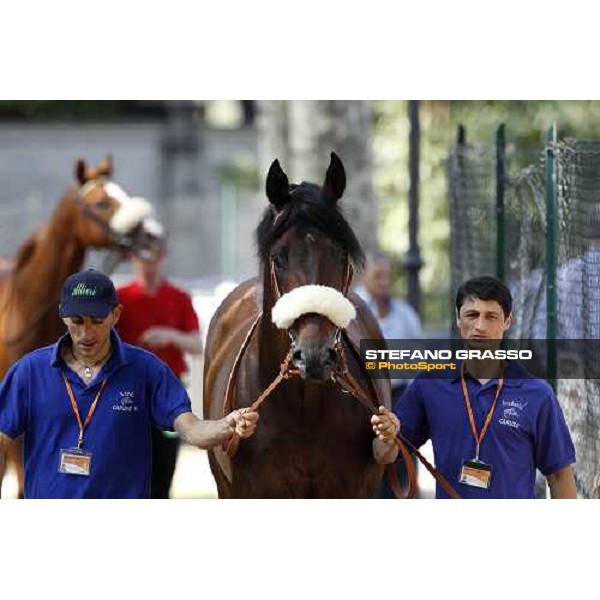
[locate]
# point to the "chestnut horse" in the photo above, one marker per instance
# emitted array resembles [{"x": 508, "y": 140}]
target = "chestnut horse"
[
  {"x": 313, "y": 440},
  {"x": 94, "y": 213}
]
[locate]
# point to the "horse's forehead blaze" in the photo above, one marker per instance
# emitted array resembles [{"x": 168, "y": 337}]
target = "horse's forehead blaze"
[
  {"x": 123, "y": 214},
  {"x": 117, "y": 192},
  {"x": 110, "y": 191}
]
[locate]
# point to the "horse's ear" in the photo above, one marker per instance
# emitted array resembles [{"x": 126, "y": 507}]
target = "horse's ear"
[
  {"x": 335, "y": 179},
  {"x": 106, "y": 167},
  {"x": 278, "y": 186},
  {"x": 80, "y": 170}
]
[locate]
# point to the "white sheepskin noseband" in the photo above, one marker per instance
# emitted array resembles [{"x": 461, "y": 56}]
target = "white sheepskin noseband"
[
  {"x": 320, "y": 299},
  {"x": 130, "y": 214}
]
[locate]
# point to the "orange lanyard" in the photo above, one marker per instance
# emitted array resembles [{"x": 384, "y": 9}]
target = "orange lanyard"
[
  {"x": 90, "y": 414},
  {"x": 488, "y": 419}
]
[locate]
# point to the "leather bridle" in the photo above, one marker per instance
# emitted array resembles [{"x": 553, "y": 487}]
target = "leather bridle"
[
  {"x": 344, "y": 378},
  {"x": 125, "y": 242}
]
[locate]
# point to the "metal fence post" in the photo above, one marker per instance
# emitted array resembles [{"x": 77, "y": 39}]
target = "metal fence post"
[
  {"x": 551, "y": 254},
  {"x": 461, "y": 136},
  {"x": 500, "y": 213},
  {"x": 461, "y": 143},
  {"x": 412, "y": 260}
]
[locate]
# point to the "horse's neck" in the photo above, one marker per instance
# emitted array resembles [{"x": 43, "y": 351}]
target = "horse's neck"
[
  {"x": 273, "y": 343},
  {"x": 50, "y": 256}
]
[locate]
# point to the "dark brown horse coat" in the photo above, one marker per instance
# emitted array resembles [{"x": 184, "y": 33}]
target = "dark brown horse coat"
[{"x": 312, "y": 440}]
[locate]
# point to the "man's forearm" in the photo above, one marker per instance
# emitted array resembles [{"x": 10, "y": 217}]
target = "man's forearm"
[
  {"x": 562, "y": 484},
  {"x": 203, "y": 434}
]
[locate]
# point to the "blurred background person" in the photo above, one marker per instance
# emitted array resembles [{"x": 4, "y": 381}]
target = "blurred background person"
[
  {"x": 398, "y": 321},
  {"x": 160, "y": 317},
  {"x": 396, "y": 317}
]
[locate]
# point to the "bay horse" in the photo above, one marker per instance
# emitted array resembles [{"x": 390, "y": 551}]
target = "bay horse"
[
  {"x": 94, "y": 213},
  {"x": 313, "y": 440}
]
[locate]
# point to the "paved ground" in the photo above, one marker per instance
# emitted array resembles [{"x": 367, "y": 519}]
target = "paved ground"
[{"x": 193, "y": 478}]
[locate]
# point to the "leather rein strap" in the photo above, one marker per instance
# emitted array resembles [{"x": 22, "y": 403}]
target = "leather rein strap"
[
  {"x": 348, "y": 382},
  {"x": 344, "y": 378}
]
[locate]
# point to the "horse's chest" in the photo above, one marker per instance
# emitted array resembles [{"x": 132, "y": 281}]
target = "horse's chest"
[
  {"x": 317, "y": 411},
  {"x": 305, "y": 464},
  {"x": 310, "y": 432}
]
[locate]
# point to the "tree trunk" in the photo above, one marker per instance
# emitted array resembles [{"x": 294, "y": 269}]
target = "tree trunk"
[{"x": 301, "y": 134}]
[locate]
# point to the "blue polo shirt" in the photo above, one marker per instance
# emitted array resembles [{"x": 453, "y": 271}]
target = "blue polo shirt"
[
  {"x": 528, "y": 430},
  {"x": 140, "y": 390}
]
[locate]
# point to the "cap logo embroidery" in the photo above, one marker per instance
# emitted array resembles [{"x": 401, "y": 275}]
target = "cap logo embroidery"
[{"x": 81, "y": 289}]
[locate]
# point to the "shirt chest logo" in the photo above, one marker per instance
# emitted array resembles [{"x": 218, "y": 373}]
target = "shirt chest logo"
[
  {"x": 125, "y": 402},
  {"x": 512, "y": 412}
]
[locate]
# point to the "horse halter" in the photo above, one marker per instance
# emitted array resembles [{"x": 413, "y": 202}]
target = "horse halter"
[
  {"x": 124, "y": 241},
  {"x": 91, "y": 214}
]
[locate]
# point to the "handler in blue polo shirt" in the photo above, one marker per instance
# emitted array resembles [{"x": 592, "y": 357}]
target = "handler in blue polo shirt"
[
  {"x": 85, "y": 404},
  {"x": 493, "y": 424}
]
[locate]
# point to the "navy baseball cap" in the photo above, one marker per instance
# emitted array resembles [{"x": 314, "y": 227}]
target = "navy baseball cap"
[{"x": 87, "y": 294}]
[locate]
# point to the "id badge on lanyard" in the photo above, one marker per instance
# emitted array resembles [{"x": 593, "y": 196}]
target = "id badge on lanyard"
[
  {"x": 475, "y": 472},
  {"x": 76, "y": 461}
]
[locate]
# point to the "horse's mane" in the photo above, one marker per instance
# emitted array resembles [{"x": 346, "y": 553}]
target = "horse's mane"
[
  {"x": 306, "y": 207},
  {"x": 25, "y": 252},
  {"x": 26, "y": 249}
]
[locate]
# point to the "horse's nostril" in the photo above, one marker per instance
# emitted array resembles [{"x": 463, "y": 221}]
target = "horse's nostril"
[
  {"x": 332, "y": 355},
  {"x": 297, "y": 356}
]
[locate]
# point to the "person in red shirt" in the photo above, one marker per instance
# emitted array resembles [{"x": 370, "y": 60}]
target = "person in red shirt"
[{"x": 159, "y": 317}]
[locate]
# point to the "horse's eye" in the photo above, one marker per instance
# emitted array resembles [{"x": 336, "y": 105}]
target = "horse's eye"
[
  {"x": 103, "y": 204},
  {"x": 279, "y": 260}
]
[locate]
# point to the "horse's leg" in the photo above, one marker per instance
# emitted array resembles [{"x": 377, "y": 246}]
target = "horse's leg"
[
  {"x": 347, "y": 481},
  {"x": 223, "y": 485}
]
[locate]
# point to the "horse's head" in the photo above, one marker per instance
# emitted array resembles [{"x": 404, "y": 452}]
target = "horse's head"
[
  {"x": 107, "y": 216},
  {"x": 308, "y": 249}
]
